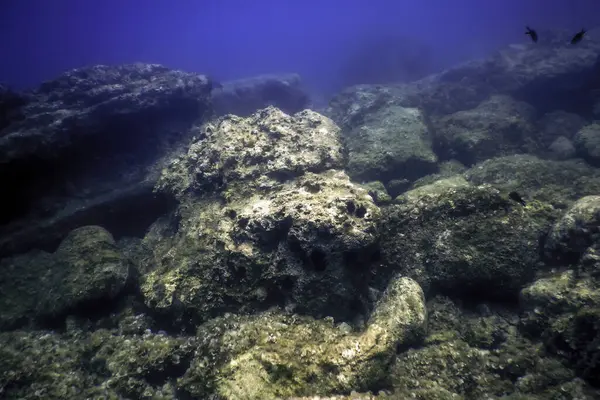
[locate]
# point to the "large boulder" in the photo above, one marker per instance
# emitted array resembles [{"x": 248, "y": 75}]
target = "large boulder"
[
  {"x": 386, "y": 142},
  {"x": 265, "y": 356},
  {"x": 85, "y": 274},
  {"x": 271, "y": 356},
  {"x": 587, "y": 143},
  {"x": 463, "y": 240},
  {"x": 498, "y": 126},
  {"x": 391, "y": 143},
  {"x": 552, "y": 76},
  {"x": 263, "y": 220},
  {"x": 563, "y": 308},
  {"x": 575, "y": 231},
  {"x": 559, "y": 183},
  {"x": 90, "y": 137},
  {"x": 243, "y": 97}
]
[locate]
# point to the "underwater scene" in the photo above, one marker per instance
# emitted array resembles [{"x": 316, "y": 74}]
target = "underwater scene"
[{"x": 395, "y": 220}]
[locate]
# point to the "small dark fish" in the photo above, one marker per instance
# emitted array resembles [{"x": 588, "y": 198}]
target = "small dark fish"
[
  {"x": 532, "y": 33},
  {"x": 516, "y": 197},
  {"x": 578, "y": 36}
]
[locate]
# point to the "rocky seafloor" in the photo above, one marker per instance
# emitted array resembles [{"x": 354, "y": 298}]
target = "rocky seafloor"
[{"x": 161, "y": 238}]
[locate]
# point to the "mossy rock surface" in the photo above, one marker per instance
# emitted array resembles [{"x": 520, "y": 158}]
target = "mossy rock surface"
[
  {"x": 464, "y": 240},
  {"x": 40, "y": 288}
]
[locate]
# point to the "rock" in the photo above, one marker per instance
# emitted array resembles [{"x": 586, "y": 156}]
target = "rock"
[
  {"x": 87, "y": 272},
  {"x": 559, "y": 183},
  {"x": 245, "y": 96},
  {"x": 268, "y": 145},
  {"x": 131, "y": 366},
  {"x": 447, "y": 170},
  {"x": 557, "y": 124},
  {"x": 92, "y": 134},
  {"x": 271, "y": 356},
  {"x": 138, "y": 365},
  {"x": 498, "y": 126},
  {"x": 587, "y": 143},
  {"x": 352, "y": 105},
  {"x": 262, "y": 221},
  {"x": 385, "y": 141},
  {"x": 577, "y": 230},
  {"x": 118, "y": 211},
  {"x": 391, "y": 143},
  {"x": 562, "y": 148},
  {"x": 564, "y": 310},
  {"x": 463, "y": 240},
  {"x": 553, "y": 76},
  {"x": 378, "y": 192},
  {"x": 398, "y": 186}
]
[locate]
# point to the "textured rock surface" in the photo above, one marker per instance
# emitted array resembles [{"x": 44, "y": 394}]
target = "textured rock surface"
[
  {"x": 40, "y": 288},
  {"x": 553, "y": 76},
  {"x": 498, "y": 126},
  {"x": 385, "y": 141},
  {"x": 562, "y": 149},
  {"x": 576, "y": 230},
  {"x": 392, "y": 142},
  {"x": 558, "y": 183},
  {"x": 262, "y": 221},
  {"x": 564, "y": 310},
  {"x": 245, "y": 96},
  {"x": 89, "y": 135},
  {"x": 272, "y": 357},
  {"x": 466, "y": 240},
  {"x": 258, "y": 357},
  {"x": 323, "y": 275},
  {"x": 587, "y": 143}
]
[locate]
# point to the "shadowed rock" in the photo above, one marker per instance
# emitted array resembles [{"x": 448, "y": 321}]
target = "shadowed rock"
[{"x": 87, "y": 138}]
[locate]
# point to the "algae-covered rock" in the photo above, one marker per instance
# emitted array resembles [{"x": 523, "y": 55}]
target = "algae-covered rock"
[
  {"x": 559, "y": 183},
  {"x": 587, "y": 143},
  {"x": 391, "y": 143},
  {"x": 385, "y": 140},
  {"x": 498, "y": 126},
  {"x": 563, "y": 309},
  {"x": 454, "y": 369},
  {"x": 462, "y": 239},
  {"x": 262, "y": 221},
  {"x": 445, "y": 370},
  {"x": 99, "y": 365},
  {"x": 235, "y": 152},
  {"x": 378, "y": 192},
  {"x": 86, "y": 270},
  {"x": 577, "y": 229},
  {"x": 79, "y": 151},
  {"x": 43, "y": 365},
  {"x": 447, "y": 170},
  {"x": 305, "y": 246},
  {"x": 480, "y": 354},
  {"x": 562, "y": 148},
  {"x": 141, "y": 366},
  {"x": 272, "y": 356}
]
